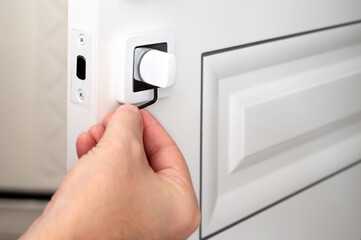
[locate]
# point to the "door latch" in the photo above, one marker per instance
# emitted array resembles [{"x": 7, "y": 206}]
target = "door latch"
[{"x": 148, "y": 68}]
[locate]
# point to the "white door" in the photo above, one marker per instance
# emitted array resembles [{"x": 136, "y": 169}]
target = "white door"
[{"x": 266, "y": 108}]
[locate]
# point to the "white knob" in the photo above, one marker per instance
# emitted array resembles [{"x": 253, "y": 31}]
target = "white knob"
[{"x": 155, "y": 67}]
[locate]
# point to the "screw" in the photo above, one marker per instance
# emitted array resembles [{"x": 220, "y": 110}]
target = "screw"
[
  {"x": 81, "y": 39},
  {"x": 81, "y": 95}
]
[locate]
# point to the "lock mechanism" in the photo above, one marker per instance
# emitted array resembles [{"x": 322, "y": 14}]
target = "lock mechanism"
[{"x": 148, "y": 65}]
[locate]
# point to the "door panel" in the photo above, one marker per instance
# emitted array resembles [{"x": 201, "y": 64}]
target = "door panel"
[
  {"x": 305, "y": 216},
  {"x": 277, "y": 116}
]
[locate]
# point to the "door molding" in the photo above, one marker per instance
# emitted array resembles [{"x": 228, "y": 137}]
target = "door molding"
[{"x": 316, "y": 182}]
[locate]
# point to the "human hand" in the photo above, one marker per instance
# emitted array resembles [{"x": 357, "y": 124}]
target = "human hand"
[{"x": 131, "y": 182}]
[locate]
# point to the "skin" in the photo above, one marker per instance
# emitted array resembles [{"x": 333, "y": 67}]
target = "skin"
[{"x": 131, "y": 182}]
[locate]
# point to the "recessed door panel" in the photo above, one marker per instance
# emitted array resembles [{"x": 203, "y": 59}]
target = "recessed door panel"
[
  {"x": 277, "y": 116},
  {"x": 305, "y": 216}
]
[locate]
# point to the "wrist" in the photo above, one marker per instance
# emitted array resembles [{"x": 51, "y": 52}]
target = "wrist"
[{"x": 54, "y": 223}]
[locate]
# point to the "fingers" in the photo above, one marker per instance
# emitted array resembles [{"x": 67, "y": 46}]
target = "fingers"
[
  {"x": 87, "y": 140},
  {"x": 84, "y": 143},
  {"x": 106, "y": 119},
  {"x": 123, "y": 127},
  {"x": 160, "y": 148},
  {"x": 126, "y": 124},
  {"x": 97, "y": 132}
]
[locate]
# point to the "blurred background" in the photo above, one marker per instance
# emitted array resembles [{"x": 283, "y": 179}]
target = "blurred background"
[{"x": 33, "y": 55}]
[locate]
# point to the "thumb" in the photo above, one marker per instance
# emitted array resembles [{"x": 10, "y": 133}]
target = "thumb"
[
  {"x": 124, "y": 129},
  {"x": 163, "y": 153}
]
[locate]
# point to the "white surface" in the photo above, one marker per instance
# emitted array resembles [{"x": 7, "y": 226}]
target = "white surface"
[
  {"x": 83, "y": 16},
  {"x": 277, "y": 118},
  {"x": 198, "y": 26},
  {"x": 274, "y": 119},
  {"x": 123, "y": 47},
  {"x": 328, "y": 211},
  {"x": 81, "y": 44},
  {"x": 158, "y": 68}
]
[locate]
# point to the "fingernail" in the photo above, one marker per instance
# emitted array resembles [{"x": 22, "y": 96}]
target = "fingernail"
[{"x": 130, "y": 108}]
